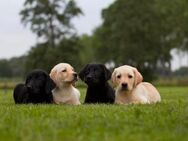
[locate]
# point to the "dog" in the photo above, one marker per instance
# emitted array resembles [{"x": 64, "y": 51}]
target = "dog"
[
  {"x": 96, "y": 76},
  {"x": 64, "y": 77},
  {"x": 131, "y": 89},
  {"x": 37, "y": 89}
]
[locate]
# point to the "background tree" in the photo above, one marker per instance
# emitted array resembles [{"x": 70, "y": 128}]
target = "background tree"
[
  {"x": 11, "y": 68},
  {"x": 88, "y": 49},
  {"x": 141, "y": 33},
  {"x": 17, "y": 66},
  {"x": 183, "y": 71},
  {"x": 50, "y": 19},
  {"x": 5, "y": 69},
  {"x": 66, "y": 51}
]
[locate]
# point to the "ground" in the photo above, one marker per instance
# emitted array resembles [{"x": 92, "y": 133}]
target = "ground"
[{"x": 166, "y": 121}]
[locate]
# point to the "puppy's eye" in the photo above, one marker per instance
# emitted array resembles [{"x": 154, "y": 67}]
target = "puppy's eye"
[
  {"x": 64, "y": 70},
  {"x": 119, "y": 76},
  {"x": 130, "y": 76}
]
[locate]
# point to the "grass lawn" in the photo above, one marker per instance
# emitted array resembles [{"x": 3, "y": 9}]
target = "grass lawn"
[{"x": 166, "y": 121}]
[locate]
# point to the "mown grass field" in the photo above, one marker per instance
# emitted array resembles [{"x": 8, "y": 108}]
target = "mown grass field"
[{"x": 166, "y": 121}]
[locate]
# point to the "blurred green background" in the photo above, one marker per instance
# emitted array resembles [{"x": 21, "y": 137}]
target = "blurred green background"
[{"x": 141, "y": 33}]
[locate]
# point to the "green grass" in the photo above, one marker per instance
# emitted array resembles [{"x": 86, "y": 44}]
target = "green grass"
[{"x": 166, "y": 121}]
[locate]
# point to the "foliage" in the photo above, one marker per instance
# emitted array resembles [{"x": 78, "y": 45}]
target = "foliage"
[
  {"x": 136, "y": 32},
  {"x": 13, "y": 67},
  {"x": 17, "y": 66},
  {"x": 50, "y": 19},
  {"x": 5, "y": 70},
  {"x": 87, "y": 49},
  {"x": 141, "y": 33},
  {"x": 158, "y": 122},
  {"x": 44, "y": 57},
  {"x": 183, "y": 71}
]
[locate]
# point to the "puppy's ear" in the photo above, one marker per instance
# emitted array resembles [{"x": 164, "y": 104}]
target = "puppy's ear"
[
  {"x": 50, "y": 85},
  {"x": 114, "y": 77},
  {"x": 82, "y": 72},
  {"x": 138, "y": 76},
  {"x": 28, "y": 78},
  {"x": 53, "y": 75},
  {"x": 107, "y": 73}
]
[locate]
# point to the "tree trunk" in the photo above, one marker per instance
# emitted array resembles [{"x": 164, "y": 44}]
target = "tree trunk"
[{"x": 51, "y": 32}]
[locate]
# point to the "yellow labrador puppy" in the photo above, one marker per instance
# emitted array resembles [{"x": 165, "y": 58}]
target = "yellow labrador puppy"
[
  {"x": 64, "y": 77},
  {"x": 131, "y": 89}
]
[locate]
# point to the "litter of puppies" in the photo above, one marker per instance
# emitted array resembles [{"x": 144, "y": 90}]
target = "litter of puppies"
[{"x": 58, "y": 86}]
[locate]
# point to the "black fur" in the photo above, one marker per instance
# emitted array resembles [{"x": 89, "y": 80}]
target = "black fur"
[
  {"x": 37, "y": 89},
  {"x": 96, "y": 76}
]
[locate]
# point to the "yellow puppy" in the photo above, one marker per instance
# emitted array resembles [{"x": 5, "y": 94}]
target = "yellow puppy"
[
  {"x": 64, "y": 77},
  {"x": 131, "y": 89}
]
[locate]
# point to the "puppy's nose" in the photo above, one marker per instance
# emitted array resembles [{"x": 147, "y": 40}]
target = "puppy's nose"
[
  {"x": 89, "y": 78},
  {"x": 75, "y": 75},
  {"x": 124, "y": 85},
  {"x": 29, "y": 86}
]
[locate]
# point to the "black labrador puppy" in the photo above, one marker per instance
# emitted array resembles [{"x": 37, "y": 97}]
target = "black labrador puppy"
[
  {"x": 37, "y": 89},
  {"x": 96, "y": 76}
]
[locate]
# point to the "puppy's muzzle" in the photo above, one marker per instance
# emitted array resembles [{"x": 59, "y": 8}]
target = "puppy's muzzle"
[
  {"x": 32, "y": 89},
  {"x": 89, "y": 78},
  {"x": 29, "y": 86},
  {"x": 124, "y": 86},
  {"x": 75, "y": 75}
]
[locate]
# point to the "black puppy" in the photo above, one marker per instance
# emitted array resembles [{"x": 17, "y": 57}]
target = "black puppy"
[
  {"x": 37, "y": 89},
  {"x": 96, "y": 77}
]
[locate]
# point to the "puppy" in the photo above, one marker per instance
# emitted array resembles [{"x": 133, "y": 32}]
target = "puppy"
[
  {"x": 96, "y": 77},
  {"x": 131, "y": 89},
  {"x": 37, "y": 89},
  {"x": 64, "y": 77}
]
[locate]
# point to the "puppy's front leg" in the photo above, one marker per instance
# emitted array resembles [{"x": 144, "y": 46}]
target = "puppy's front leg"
[
  {"x": 118, "y": 102},
  {"x": 77, "y": 103}
]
